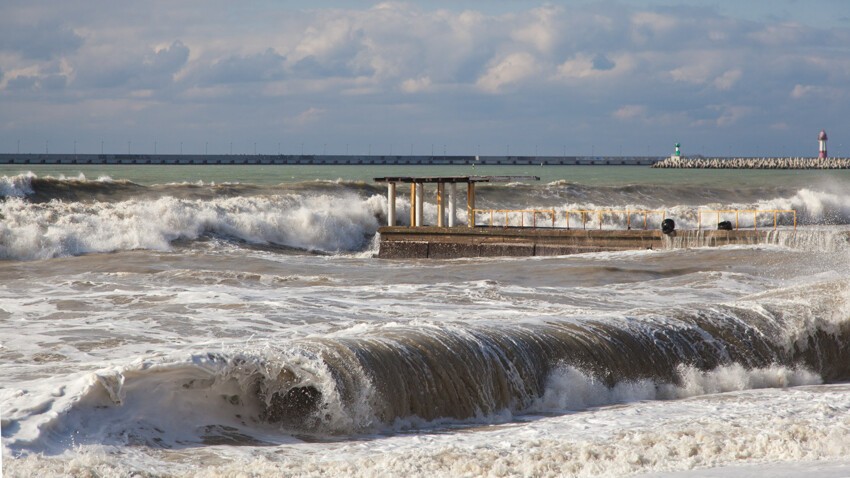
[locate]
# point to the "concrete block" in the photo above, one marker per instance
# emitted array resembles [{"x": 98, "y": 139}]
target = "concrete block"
[
  {"x": 403, "y": 250},
  {"x": 502, "y": 249},
  {"x": 451, "y": 250}
]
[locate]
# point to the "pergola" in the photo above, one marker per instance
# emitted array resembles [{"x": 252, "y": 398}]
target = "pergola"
[{"x": 417, "y": 195}]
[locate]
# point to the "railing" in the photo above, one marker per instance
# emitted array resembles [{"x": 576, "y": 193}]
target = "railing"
[
  {"x": 583, "y": 213},
  {"x": 754, "y": 212},
  {"x": 552, "y": 215},
  {"x": 522, "y": 214}
]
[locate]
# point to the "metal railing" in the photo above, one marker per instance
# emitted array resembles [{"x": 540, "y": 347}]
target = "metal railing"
[
  {"x": 600, "y": 213},
  {"x": 551, "y": 215},
  {"x": 517, "y": 217},
  {"x": 754, "y": 212},
  {"x": 522, "y": 214}
]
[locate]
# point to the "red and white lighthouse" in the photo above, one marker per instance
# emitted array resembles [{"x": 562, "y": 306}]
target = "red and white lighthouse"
[{"x": 822, "y": 144}]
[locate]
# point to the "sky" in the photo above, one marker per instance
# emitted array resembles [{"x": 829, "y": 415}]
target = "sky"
[{"x": 495, "y": 77}]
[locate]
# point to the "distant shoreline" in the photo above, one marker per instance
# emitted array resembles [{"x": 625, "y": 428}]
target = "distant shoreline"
[{"x": 320, "y": 160}]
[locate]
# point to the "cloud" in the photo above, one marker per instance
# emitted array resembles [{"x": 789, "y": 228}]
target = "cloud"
[
  {"x": 109, "y": 66},
  {"x": 647, "y": 26},
  {"x": 629, "y": 112},
  {"x": 170, "y": 59},
  {"x": 724, "y": 115},
  {"x": 801, "y": 92},
  {"x": 782, "y": 34},
  {"x": 49, "y": 77},
  {"x": 727, "y": 80},
  {"x": 602, "y": 63},
  {"x": 260, "y": 67},
  {"x": 556, "y": 72},
  {"x": 22, "y": 82},
  {"x": 541, "y": 29},
  {"x": 506, "y": 71},
  {"x": 416, "y": 85},
  {"x": 310, "y": 115},
  {"x": 44, "y": 40},
  {"x": 599, "y": 65}
]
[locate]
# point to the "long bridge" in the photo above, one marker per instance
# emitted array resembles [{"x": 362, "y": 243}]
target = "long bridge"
[{"x": 323, "y": 159}]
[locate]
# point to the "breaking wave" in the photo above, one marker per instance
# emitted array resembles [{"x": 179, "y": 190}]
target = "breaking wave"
[
  {"x": 313, "y": 223},
  {"x": 53, "y": 217},
  {"x": 393, "y": 377}
]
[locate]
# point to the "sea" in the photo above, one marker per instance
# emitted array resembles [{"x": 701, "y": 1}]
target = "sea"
[{"x": 235, "y": 321}]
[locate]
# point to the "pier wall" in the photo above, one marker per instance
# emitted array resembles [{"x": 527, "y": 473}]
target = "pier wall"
[
  {"x": 330, "y": 160},
  {"x": 446, "y": 243}
]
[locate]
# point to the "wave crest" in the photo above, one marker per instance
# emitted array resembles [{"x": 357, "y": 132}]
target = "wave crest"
[{"x": 315, "y": 223}]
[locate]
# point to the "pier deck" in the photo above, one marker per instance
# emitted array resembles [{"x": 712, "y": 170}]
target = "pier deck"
[
  {"x": 400, "y": 242},
  {"x": 515, "y": 232}
]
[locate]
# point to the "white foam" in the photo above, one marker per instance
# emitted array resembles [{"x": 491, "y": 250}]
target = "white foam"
[
  {"x": 784, "y": 429},
  {"x": 55, "y": 229},
  {"x": 16, "y": 186}
]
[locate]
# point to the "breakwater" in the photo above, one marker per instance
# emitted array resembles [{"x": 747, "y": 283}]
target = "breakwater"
[
  {"x": 309, "y": 159},
  {"x": 753, "y": 163}
]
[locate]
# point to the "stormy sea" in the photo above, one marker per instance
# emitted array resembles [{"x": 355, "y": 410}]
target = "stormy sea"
[{"x": 235, "y": 321}]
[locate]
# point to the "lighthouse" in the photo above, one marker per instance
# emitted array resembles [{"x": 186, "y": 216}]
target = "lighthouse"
[{"x": 822, "y": 144}]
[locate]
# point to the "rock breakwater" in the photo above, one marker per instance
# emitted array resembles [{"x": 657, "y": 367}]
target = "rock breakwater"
[{"x": 754, "y": 163}]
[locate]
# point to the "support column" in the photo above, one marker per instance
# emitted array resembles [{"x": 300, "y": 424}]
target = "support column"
[
  {"x": 452, "y": 195},
  {"x": 390, "y": 204},
  {"x": 470, "y": 204},
  {"x": 412, "y": 204},
  {"x": 420, "y": 201},
  {"x": 441, "y": 206}
]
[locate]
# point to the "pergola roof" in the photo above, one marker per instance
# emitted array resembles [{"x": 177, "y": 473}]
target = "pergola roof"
[{"x": 455, "y": 179}]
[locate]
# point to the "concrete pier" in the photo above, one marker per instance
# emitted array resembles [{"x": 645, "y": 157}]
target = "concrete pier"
[{"x": 454, "y": 242}]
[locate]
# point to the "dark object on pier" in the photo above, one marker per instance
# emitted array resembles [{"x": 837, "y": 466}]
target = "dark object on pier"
[
  {"x": 668, "y": 226},
  {"x": 724, "y": 226}
]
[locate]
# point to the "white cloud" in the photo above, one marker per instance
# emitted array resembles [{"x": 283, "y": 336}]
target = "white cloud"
[
  {"x": 724, "y": 115},
  {"x": 579, "y": 67},
  {"x": 309, "y": 115},
  {"x": 585, "y": 65},
  {"x": 801, "y": 92},
  {"x": 542, "y": 29},
  {"x": 780, "y": 34},
  {"x": 648, "y": 25},
  {"x": 508, "y": 70},
  {"x": 327, "y": 39},
  {"x": 727, "y": 80},
  {"x": 629, "y": 112},
  {"x": 416, "y": 85}
]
